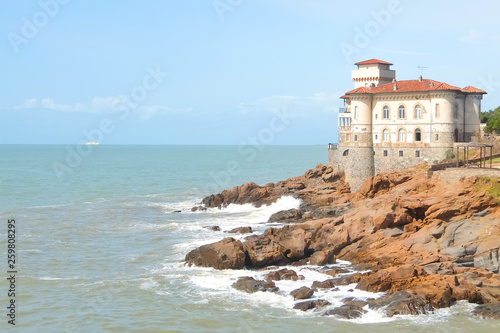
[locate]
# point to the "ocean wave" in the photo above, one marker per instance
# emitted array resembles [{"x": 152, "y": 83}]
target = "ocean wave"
[{"x": 49, "y": 278}]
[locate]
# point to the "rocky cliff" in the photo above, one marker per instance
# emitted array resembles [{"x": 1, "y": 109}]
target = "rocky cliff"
[{"x": 436, "y": 241}]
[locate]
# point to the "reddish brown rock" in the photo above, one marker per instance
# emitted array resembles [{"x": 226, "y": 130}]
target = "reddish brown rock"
[
  {"x": 226, "y": 254},
  {"x": 437, "y": 240},
  {"x": 262, "y": 251},
  {"x": 241, "y": 230},
  {"x": 323, "y": 257}
]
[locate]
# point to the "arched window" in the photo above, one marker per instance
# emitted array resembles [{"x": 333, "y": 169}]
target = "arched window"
[
  {"x": 386, "y": 112},
  {"x": 418, "y": 135},
  {"x": 346, "y": 152},
  {"x": 418, "y": 112},
  {"x": 401, "y": 135},
  {"x": 401, "y": 112},
  {"x": 385, "y": 136}
]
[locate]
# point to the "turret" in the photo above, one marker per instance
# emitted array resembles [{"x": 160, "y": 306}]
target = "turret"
[{"x": 372, "y": 73}]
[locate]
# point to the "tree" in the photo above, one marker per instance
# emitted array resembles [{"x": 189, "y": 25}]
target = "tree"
[{"x": 492, "y": 118}]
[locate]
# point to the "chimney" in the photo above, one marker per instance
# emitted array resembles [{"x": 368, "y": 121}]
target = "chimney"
[
  {"x": 393, "y": 80},
  {"x": 395, "y": 86},
  {"x": 420, "y": 78}
]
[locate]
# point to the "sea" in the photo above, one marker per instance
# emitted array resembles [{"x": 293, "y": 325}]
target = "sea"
[{"x": 101, "y": 233}]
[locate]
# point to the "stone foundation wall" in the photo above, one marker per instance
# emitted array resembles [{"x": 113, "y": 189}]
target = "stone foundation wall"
[
  {"x": 453, "y": 175},
  {"x": 360, "y": 163},
  {"x": 396, "y": 158},
  {"x": 356, "y": 162}
]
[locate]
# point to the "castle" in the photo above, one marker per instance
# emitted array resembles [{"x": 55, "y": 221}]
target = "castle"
[{"x": 386, "y": 125}]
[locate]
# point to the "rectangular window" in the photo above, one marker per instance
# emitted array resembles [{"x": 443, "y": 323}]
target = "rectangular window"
[
  {"x": 400, "y": 153},
  {"x": 417, "y": 153},
  {"x": 355, "y": 138},
  {"x": 437, "y": 110},
  {"x": 385, "y": 153},
  {"x": 348, "y": 137},
  {"x": 437, "y": 137}
]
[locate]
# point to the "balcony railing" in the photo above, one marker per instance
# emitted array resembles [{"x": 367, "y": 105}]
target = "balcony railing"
[{"x": 344, "y": 110}]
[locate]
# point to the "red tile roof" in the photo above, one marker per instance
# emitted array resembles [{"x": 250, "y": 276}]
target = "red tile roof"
[
  {"x": 471, "y": 89},
  {"x": 359, "y": 90},
  {"x": 373, "y": 61},
  {"x": 412, "y": 86}
]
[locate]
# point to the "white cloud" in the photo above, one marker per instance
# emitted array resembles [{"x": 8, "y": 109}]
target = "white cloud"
[
  {"x": 470, "y": 37},
  {"x": 28, "y": 104},
  {"x": 97, "y": 105},
  {"x": 103, "y": 104}
]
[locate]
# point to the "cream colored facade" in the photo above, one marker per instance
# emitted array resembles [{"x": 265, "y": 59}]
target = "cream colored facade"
[{"x": 386, "y": 126}]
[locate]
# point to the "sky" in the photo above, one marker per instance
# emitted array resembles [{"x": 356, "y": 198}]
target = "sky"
[{"x": 222, "y": 72}]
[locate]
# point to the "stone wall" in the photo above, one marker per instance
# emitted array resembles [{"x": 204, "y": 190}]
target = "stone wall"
[
  {"x": 356, "y": 162},
  {"x": 453, "y": 175},
  {"x": 360, "y": 163},
  {"x": 396, "y": 158}
]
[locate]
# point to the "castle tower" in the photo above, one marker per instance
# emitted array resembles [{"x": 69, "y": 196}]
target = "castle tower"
[
  {"x": 361, "y": 140},
  {"x": 372, "y": 73}
]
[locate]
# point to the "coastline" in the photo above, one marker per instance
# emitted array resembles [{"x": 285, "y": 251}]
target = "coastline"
[{"x": 427, "y": 244}]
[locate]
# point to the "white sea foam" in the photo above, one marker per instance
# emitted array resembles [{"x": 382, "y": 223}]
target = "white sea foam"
[
  {"x": 214, "y": 283},
  {"x": 49, "y": 278}
]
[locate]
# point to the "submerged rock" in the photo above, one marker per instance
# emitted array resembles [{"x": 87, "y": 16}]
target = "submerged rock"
[
  {"x": 327, "y": 284},
  {"x": 308, "y": 305},
  {"x": 490, "y": 311},
  {"x": 283, "y": 274},
  {"x": 302, "y": 293},
  {"x": 354, "y": 301},
  {"x": 286, "y": 216},
  {"x": 250, "y": 285},
  {"x": 402, "y": 303},
  {"x": 346, "y": 312},
  {"x": 212, "y": 227}
]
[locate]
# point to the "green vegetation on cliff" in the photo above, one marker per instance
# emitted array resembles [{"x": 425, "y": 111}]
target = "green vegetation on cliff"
[{"x": 491, "y": 186}]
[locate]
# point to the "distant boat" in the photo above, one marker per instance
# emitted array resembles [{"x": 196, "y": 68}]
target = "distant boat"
[{"x": 92, "y": 143}]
